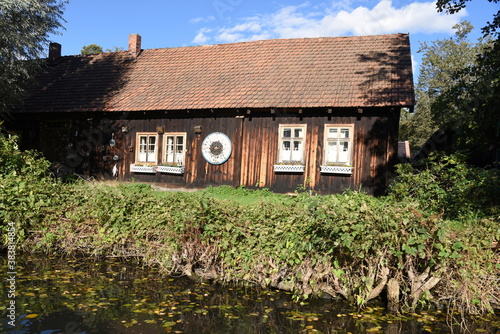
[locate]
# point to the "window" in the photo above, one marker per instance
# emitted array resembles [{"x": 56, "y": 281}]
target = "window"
[
  {"x": 175, "y": 148},
  {"x": 338, "y": 145},
  {"x": 292, "y": 139},
  {"x": 148, "y": 144}
]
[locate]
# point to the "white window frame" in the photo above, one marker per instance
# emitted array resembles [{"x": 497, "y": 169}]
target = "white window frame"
[
  {"x": 295, "y": 154},
  {"x": 150, "y": 157},
  {"x": 178, "y": 157},
  {"x": 343, "y": 139}
]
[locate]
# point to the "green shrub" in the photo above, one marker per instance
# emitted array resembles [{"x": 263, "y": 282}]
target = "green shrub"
[
  {"x": 28, "y": 193},
  {"x": 351, "y": 243},
  {"x": 15, "y": 162},
  {"x": 447, "y": 184}
]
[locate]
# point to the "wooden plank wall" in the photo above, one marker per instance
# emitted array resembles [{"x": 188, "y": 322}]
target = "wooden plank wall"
[
  {"x": 254, "y": 151},
  {"x": 198, "y": 172}
]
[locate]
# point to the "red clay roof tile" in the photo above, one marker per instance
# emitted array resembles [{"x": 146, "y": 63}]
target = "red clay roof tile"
[{"x": 356, "y": 71}]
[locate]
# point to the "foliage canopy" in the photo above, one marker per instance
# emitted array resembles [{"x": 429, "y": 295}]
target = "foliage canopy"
[
  {"x": 454, "y": 6},
  {"x": 453, "y": 93},
  {"x": 25, "y": 26},
  {"x": 458, "y": 89},
  {"x": 91, "y": 49}
]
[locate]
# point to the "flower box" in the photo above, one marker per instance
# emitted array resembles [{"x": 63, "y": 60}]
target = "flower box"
[
  {"x": 289, "y": 168},
  {"x": 336, "y": 169},
  {"x": 171, "y": 169},
  {"x": 142, "y": 169}
]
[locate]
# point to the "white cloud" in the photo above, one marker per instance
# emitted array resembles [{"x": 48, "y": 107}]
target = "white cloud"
[
  {"x": 202, "y": 19},
  {"x": 202, "y": 38},
  {"x": 337, "y": 19},
  {"x": 250, "y": 26},
  {"x": 228, "y": 37},
  {"x": 251, "y": 30}
]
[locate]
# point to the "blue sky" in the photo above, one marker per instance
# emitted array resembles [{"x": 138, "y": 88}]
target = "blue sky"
[{"x": 167, "y": 23}]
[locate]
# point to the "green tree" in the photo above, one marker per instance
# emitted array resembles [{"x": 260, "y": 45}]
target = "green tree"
[
  {"x": 470, "y": 106},
  {"x": 25, "y": 26},
  {"x": 441, "y": 62},
  {"x": 471, "y": 103},
  {"x": 91, "y": 49},
  {"x": 454, "y": 6},
  {"x": 455, "y": 93},
  {"x": 416, "y": 127}
]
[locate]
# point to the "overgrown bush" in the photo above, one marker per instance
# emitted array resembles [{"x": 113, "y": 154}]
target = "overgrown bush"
[
  {"x": 468, "y": 199},
  {"x": 15, "y": 162},
  {"x": 350, "y": 245},
  {"x": 375, "y": 240},
  {"x": 28, "y": 193},
  {"x": 449, "y": 185}
]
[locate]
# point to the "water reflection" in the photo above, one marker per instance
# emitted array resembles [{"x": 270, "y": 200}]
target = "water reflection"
[{"x": 69, "y": 295}]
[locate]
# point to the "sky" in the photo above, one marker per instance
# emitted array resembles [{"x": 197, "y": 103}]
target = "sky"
[{"x": 167, "y": 23}]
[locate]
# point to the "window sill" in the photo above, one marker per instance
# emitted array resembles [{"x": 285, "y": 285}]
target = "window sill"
[
  {"x": 142, "y": 169},
  {"x": 336, "y": 169},
  {"x": 289, "y": 168},
  {"x": 171, "y": 169}
]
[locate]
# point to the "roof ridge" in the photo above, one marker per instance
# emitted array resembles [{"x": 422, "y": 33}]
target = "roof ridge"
[
  {"x": 320, "y": 38},
  {"x": 281, "y": 39}
]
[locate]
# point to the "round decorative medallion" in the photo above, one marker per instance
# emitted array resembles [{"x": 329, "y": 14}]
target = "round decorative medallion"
[{"x": 216, "y": 148}]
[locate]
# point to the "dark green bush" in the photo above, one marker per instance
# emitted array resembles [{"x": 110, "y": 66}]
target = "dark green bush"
[
  {"x": 448, "y": 185},
  {"x": 28, "y": 193},
  {"x": 14, "y": 162}
]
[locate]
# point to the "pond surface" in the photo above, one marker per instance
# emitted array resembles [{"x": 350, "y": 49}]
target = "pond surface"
[{"x": 75, "y": 295}]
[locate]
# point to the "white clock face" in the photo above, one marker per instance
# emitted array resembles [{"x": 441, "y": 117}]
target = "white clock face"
[{"x": 216, "y": 148}]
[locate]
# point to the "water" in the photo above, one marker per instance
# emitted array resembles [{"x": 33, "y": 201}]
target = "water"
[{"x": 77, "y": 295}]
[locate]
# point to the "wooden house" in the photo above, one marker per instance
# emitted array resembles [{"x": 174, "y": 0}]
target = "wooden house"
[{"x": 320, "y": 113}]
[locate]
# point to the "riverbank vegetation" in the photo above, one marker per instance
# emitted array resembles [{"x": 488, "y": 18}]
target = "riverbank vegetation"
[{"x": 430, "y": 242}]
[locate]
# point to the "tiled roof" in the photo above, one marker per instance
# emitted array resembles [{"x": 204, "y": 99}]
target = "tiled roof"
[{"x": 284, "y": 73}]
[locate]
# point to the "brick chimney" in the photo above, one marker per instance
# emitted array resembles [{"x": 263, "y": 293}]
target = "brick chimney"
[
  {"x": 134, "y": 44},
  {"x": 54, "y": 51}
]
